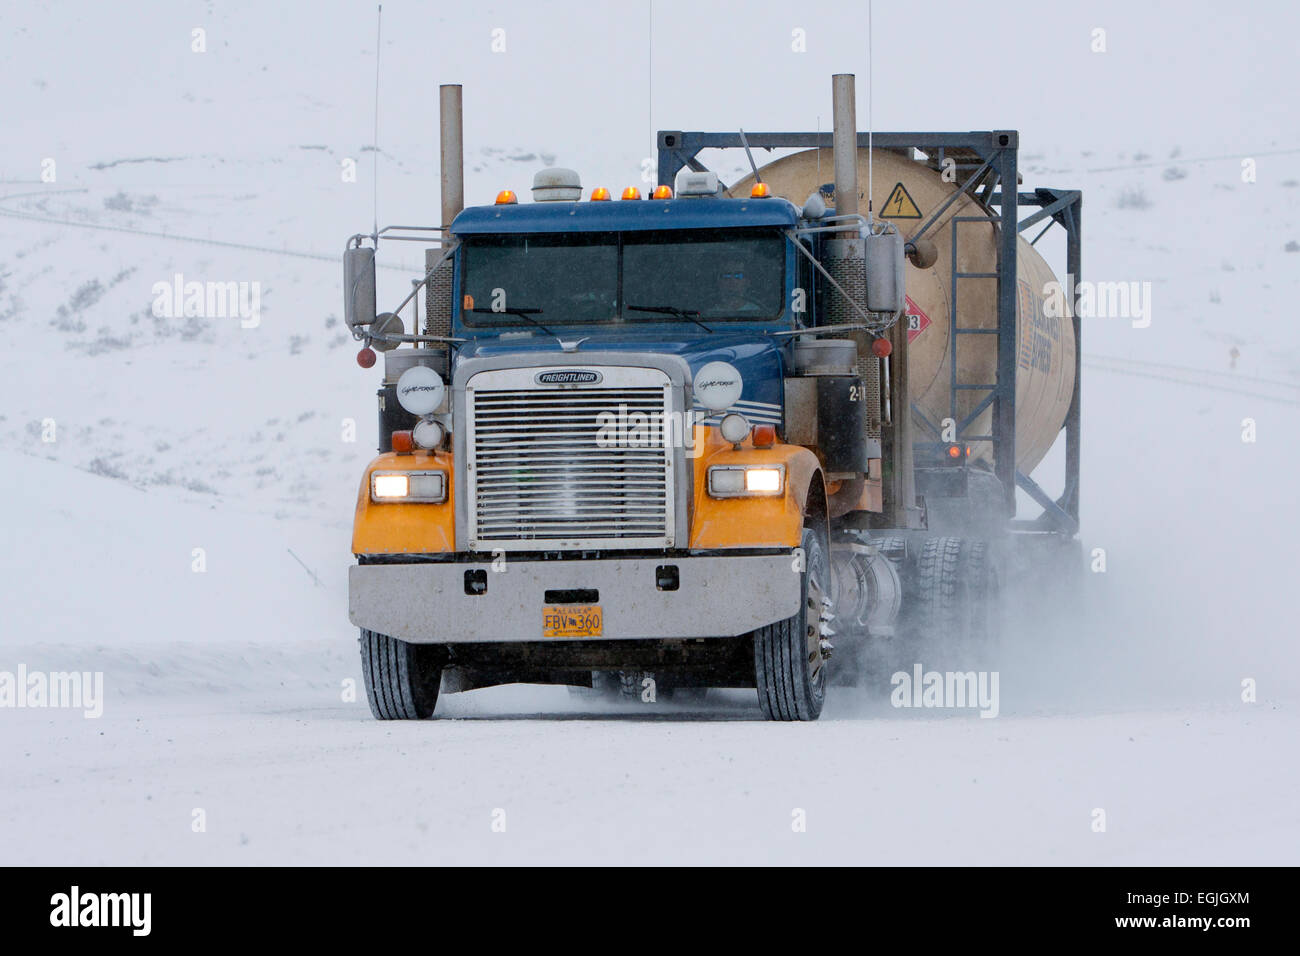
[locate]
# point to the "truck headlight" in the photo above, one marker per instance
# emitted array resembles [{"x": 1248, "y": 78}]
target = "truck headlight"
[
  {"x": 737, "y": 481},
  {"x": 416, "y": 487}
]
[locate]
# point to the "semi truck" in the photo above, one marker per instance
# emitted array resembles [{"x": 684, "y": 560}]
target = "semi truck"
[{"x": 714, "y": 435}]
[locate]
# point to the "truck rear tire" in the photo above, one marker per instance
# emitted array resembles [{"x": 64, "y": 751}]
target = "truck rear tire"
[
  {"x": 788, "y": 662},
  {"x": 957, "y": 594},
  {"x": 402, "y": 679}
]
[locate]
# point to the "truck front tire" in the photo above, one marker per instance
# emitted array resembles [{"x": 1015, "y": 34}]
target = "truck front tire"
[
  {"x": 789, "y": 665},
  {"x": 402, "y": 679}
]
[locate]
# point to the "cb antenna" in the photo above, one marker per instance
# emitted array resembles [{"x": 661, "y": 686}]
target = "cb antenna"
[
  {"x": 871, "y": 86},
  {"x": 374, "y": 168}
]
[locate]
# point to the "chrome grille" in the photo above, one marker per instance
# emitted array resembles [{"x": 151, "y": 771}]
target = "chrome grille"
[{"x": 564, "y": 466}]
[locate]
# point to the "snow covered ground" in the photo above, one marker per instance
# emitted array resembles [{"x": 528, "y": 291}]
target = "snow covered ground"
[{"x": 136, "y": 450}]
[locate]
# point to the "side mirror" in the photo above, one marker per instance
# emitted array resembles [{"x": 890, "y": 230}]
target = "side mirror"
[{"x": 359, "y": 287}]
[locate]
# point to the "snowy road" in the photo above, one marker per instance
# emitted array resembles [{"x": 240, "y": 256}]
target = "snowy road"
[
  {"x": 224, "y": 693},
  {"x": 292, "y": 775}
]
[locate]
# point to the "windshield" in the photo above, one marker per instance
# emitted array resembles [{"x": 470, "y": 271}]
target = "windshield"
[{"x": 583, "y": 278}]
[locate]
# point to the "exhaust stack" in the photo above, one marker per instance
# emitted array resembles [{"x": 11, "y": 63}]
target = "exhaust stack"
[
  {"x": 452, "y": 147},
  {"x": 845, "y": 142}
]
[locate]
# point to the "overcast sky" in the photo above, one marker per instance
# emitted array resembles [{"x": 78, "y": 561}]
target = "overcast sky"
[{"x": 590, "y": 81}]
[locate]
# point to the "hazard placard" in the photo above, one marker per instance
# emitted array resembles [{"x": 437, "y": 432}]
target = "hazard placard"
[
  {"x": 900, "y": 204},
  {"x": 917, "y": 321}
]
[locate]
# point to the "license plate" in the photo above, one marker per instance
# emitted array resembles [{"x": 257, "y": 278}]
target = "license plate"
[{"x": 571, "y": 620}]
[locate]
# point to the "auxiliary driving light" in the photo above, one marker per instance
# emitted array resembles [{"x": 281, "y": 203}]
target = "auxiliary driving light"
[
  {"x": 718, "y": 386},
  {"x": 421, "y": 390},
  {"x": 427, "y": 434},
  {"x": 734, "y": 428},
  {"x": 417, "y": 487}
]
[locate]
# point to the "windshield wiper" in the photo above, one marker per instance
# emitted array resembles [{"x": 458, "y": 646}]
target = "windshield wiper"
[
  {"x": 692, "y": 315},
  {"x": 522, "y": 313}
]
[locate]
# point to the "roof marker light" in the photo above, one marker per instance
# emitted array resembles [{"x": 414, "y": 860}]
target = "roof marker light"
[
  {"x": 507, "y": 197},
  {"x": 760, "y": 191},
  {"x": 600, "y": 194},
  {"x": 662, "y": 192},
  {"x": 631, "y": 193}
]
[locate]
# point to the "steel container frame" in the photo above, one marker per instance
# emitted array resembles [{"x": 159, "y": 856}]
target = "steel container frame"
[{"x": 986, "y": 161}]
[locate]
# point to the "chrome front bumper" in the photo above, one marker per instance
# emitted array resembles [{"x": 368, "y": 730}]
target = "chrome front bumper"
[{"x": 717, "y": 597}]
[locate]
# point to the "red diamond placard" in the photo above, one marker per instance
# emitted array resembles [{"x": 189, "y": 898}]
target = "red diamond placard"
[{"x": 917, "y": 321}]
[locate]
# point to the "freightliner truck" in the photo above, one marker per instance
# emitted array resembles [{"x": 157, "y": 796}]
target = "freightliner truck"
[{"x": 713, "y": 436}]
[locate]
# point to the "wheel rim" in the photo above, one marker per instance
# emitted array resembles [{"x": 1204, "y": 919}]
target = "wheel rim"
[{"x": 813, "y": 606}]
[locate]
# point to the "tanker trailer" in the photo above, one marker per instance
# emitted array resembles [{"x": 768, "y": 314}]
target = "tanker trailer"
[
  {"x": 989, "y": 372},
  {"x": 956, "y": 296}
]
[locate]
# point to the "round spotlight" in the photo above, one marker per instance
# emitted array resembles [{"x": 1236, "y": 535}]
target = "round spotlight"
[
  {"x": 420, "y": 390},
  {"x": 428, "y": 434},
  {"x": 718, "y": 386},
  {"x": 734, "y": 428}
]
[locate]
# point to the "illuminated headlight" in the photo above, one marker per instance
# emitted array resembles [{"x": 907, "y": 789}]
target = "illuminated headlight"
[
  {"x": 427, "y": 434},
  {"x": 735, "y": 481},
  {"x": 763, "y": 481},
  {"x": 734, "y": 428},
  {"x": 420, "y": 487}
]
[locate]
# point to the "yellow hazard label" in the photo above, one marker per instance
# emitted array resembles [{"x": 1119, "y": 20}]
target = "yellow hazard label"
[{"x": 900, "y": 204}]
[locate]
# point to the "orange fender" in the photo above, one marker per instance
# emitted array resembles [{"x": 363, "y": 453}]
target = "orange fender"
[
  {"x": 391, "y": 528},
  {"x": 753, "y": 522}
]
